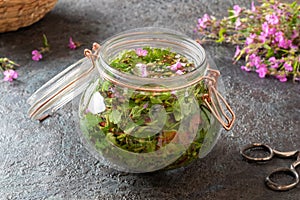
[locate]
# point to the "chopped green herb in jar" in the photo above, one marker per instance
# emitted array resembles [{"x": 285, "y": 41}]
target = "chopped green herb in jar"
[
  {"x": 141, "y": 122},
  {"x": 152, "y": 63}
]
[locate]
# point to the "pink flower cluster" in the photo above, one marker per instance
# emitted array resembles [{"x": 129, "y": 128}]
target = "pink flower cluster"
[
  {"x": 237, "y": 10},
  {"x": 204, "y": 22},
  {"x": 10, "y": 75},
  {"x": 36, "y": 55},
  {"x": 72, "y": 44},
  {"x": 178, "y": 67},
  {"x": 8, "y": 66},
  {"x": 272, "y": 35},
  {"x": 143, "y": 69},
  {"x": 267, "y": 36},
  {"x": 141, "y": 52}
]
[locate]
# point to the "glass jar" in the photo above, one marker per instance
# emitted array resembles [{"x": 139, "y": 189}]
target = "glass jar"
[{"x": 138, "y": 124}]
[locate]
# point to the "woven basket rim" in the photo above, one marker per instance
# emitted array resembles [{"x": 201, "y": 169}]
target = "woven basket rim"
[{"x": 21, "y": 13}]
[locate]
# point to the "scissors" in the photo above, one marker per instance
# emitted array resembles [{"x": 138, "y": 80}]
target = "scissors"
[{"x": 291, "y": 171}]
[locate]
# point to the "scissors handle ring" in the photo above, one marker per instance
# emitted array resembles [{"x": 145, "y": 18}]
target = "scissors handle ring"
[
  {"x": 280, "y": 187},
  {"x": 254, "y": 146}
]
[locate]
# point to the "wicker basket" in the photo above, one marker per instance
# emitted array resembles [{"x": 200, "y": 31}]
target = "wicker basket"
[{"x": 15, "y": 14}]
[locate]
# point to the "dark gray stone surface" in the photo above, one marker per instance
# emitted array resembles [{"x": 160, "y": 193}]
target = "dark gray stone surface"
[{"x": 47, "y": 161}]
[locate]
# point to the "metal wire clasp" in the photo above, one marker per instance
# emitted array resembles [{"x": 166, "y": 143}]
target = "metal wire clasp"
[
  {"x": 92, "y": 54},
  {"x": 216, "y": 102}
]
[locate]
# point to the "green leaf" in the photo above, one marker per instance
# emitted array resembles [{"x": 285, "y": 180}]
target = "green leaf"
[
  {"x": 155, "y": 100},
  {"x": 136, "y": 111},
  {"x": 130, "y": 126},
  {"x": 165, "y": 96},
  {"x": 187, "y": 108},
  {"x": 266, "y": 46},
  {"x": 232, "y": 17},
  {"x": 295, "y": 66},
  {"x": 106, "y": 85},
  {"x": 110, "y": 137},
  {"x": 293, "y": 5},
  {"x": 46, "y": 44},
  {"x": 270, "y": 53},
  {"x": 230, "y": 13},
  {"x": 177, "y": 111},
  {"x": 115, "y": 116},
  {"x": 221, "y": 35},
  {"x": 92, "y": 120}
]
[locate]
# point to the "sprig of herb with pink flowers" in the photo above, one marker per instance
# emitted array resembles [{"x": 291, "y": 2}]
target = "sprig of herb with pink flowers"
[
  {"x": 7, "y": 67},
  {"x": 37, "y": 54},
  {"x": 73, "y": 44},
  {"x": 267, "y": 36}
]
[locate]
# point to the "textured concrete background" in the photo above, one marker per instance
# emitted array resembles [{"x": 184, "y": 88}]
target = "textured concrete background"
[{"x": 47, "y": 161}]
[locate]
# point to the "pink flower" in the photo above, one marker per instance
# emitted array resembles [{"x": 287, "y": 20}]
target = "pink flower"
[
  {"x": 237, "y": 10},
  {"x": 253, "y": 8},
  {"x": 267, "y": 31},
  {"x": 141, "y": 52},
  {"x": 10, "y": 75},
  {"x": 295, "y": 34},
  {"x": 36, "y": 55},
  {"x": 282, "y": 77},
  {"x": 289, "y": 44},
  {"x": 254, "y": 60},
  {"x": 145, "y": 105},
  {"x": 272, "y": 31},
  {"x": 72, "y": 45},
  {"x": 173, "y": 67},
  {"x": 262, "y": 71},
  {"x": 282, "y": 42},
  {"x": 237, "y": 51},
  {"x": 143, "y": 69},
  {"x": 272, "y": 60},
  {"x": 238, "y": 23},
  {"x": 277, "y": 9},
  {"x": 292, "y": 45},
  {"x": 250, "y": 39},
  {"x": 275, "y": 66},
  {"x": 202, "y": 22},
  {"x": 288, "y": 66},
  {"x": 179, "y": 72},
  {"x": 274, "y": 63},
  {"x": 245, "y": 68},
  {"x": 144, "y": 72},
  {"x": 176, "y": 66},
  {"x": 262, "y": 38},
  {"x": 279, "y": 36},
  {"x": 247, "y": 50},
  {"x": 272, "y": 19},
  {"x": 265, "y": 28},
  {"x": 206, "y": 18}
]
